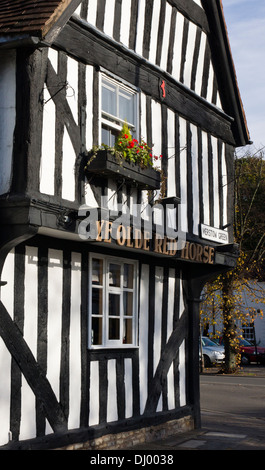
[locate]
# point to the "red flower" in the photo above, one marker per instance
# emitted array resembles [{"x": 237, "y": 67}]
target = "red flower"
[{"x": 126, "y": 136}]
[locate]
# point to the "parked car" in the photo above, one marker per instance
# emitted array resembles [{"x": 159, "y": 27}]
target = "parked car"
[
  {"x": 212, "y": 352},
  {"x": 249, "y": 353}
]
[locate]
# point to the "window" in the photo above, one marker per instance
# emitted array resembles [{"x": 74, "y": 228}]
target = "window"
[
  {"x": 113, "y": 302},
  {"x": 119, "y": 104},
  {"x": 248, "y": 332}
]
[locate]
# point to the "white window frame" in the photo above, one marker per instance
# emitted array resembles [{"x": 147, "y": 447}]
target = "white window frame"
[
  {"x": 106, "y": 290},
  {"x": 106, "y": 118}
]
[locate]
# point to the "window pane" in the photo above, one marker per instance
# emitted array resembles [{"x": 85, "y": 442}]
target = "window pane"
[
  {"x": 126, "y": 107},
  {"x": 96, "y": 334},
  {"x": 127, "y": 332},
  {"x": 128, "y": 276},
  {"x": 109, "y": 136},
  {"x": 96, "y": 302},
  {"x": 97, "y": 271},
  {"x": 109, "y": 98},
  {"x": 105, "y": 136},
  {"x": 114, "y": 305},
  {"x": 128, "y": 303},
  {"x": 114, "y": 275},
  {"x": 114, "y": 328}
]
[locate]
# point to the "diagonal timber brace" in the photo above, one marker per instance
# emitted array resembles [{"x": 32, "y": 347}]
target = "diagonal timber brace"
[{"x": 31, "y": 370}]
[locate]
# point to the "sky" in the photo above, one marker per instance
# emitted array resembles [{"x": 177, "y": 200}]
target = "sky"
[{"x": 245, "y": 21}]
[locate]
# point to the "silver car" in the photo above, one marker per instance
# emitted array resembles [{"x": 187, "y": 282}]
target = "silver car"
[{"x": 212, "y": 352}]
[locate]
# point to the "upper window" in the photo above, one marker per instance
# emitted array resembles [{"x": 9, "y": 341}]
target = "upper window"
[
  {"x": 113, "y": 302},
  {"x": 119, "y": 104}
]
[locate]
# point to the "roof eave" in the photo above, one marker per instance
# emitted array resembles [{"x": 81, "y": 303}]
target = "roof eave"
[{"x": 47, "y": 33}]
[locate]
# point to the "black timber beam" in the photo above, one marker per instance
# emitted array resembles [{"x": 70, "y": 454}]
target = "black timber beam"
[{"x": 90, "y": 46}]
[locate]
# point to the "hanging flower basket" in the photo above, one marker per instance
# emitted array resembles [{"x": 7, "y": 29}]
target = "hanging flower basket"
[
  {"x": 129, "y": 161},
  {"x": 105, "y": 164}
]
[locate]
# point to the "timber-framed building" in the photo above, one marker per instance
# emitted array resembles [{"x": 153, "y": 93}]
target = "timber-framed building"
[{"x": 99, "y": 336}]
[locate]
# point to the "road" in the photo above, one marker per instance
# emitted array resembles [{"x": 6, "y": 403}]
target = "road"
[
  {"x": 234, "y": 405},
  {"x": 233, "y": 416}
]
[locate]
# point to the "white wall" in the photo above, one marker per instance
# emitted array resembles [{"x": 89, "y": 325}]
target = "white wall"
[{"x": 7, "y": 116}]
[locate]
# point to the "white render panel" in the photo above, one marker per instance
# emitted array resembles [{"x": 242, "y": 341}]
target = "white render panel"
[
  {"x": 144, "y": 137},
  {"x": 210, "y": 84},
  {"x": 72, "y": 87},
  {"x": 171, "y": 172},
  {"x": 154, "y": 31},
  {"x": 68, "y": 168},
  {"x": 165, "y": 44},
  {"x": 75, "y": 344},
  {"x": 125, "y": 20},
  {"x": 94, "y": 394},
  {"x": 182, "y": 374},
  {"x": 89, "y": 195},
  {"x": 7, "y": 116},
  {"x": 54, "y": 326},
  {"x": 109, "y": 17},
  {"x": 140, "y": 28},
  {"x": 178, "y": 46},
  {"x": 171, "y": 388},
  {"x": 170, "y": 304},
  {"x": 205, "y": 179},
  {"x": 181, "y": 296},
  {"x": 7, "y": 298},
  {"x": 112, "y": 404},
  {"x": 143, "y": 117},
  {"x": 215, "y": 183},
  {"x": 199, "y": 74},
  {"x": 143, "y": 329},
  {"x": 183, "y": 175},
  {"x": 48, "y": 146},
  {"x": 7, "y": 291},
  {"x": 89, "y": 106},
  {"x": 53, "y": 56},
  {"x": 92, "y": 11},
  {"x": 128, "y": 388},
  {"x": 224, "y": 186},
  {"x": 189, "y": 54},
  {"x": 195, "y": 180},
  {"x": 28, "y": 418},
  {"x": 158, "y": 322},
  {"x": 156, "y": 132}
]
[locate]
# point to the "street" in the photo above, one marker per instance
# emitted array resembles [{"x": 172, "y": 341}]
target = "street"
[
  {"x": 232, "y": 413},
  {"x": 237, "y": 395},
  {"x": 234, "y": 405}
]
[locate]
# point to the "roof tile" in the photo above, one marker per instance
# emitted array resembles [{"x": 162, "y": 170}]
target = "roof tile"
[{"x": 29, "y": 16}]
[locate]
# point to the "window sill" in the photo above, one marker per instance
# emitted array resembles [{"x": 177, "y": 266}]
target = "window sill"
[{"x": 107, "y": 166}]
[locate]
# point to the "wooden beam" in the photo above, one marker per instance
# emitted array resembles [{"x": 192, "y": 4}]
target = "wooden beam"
[
  {"x": 91, "y": 47},
  {"x": 31, "y": 370}
]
